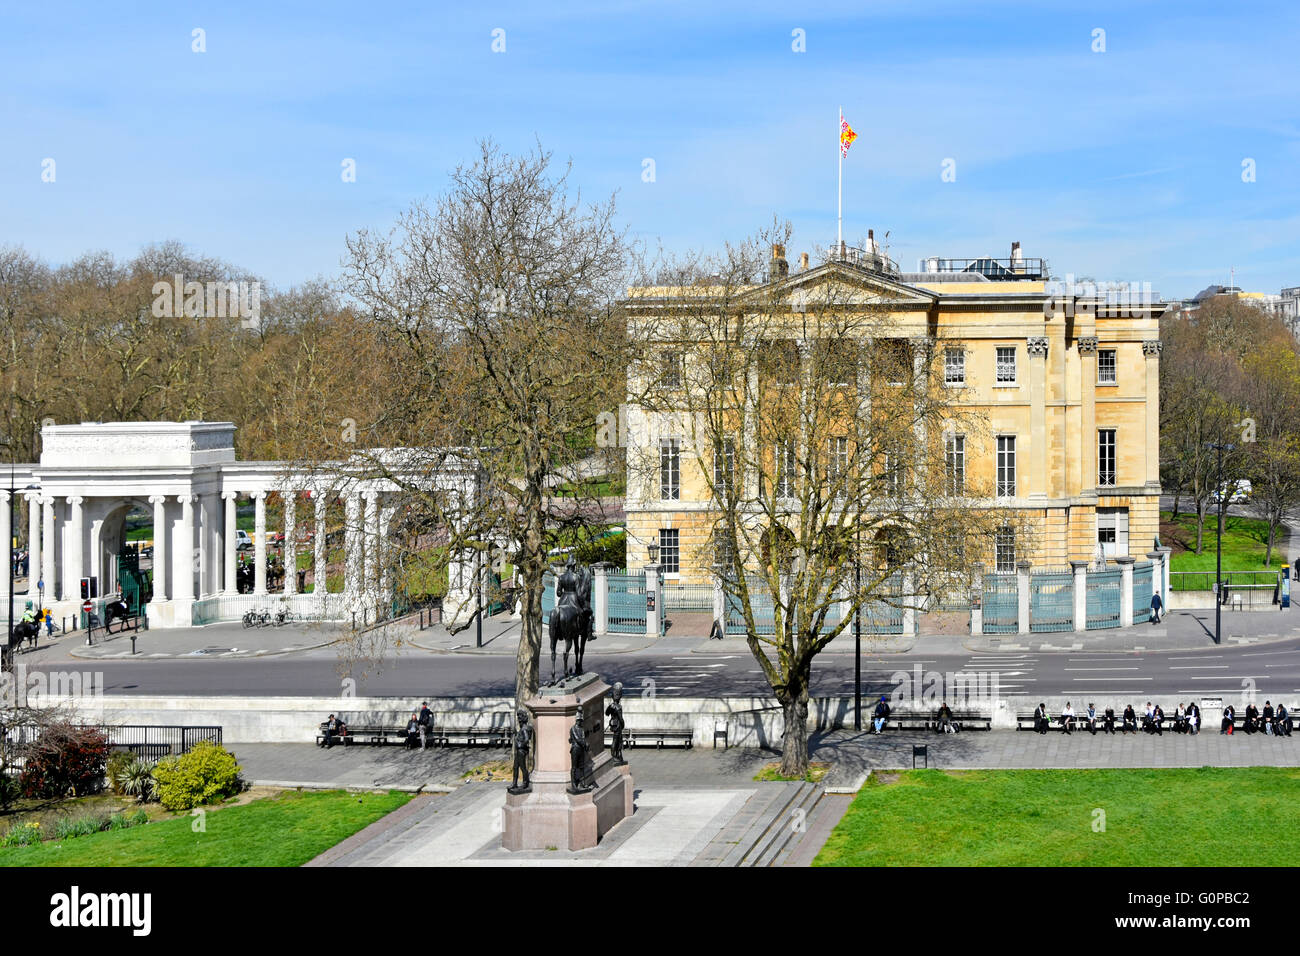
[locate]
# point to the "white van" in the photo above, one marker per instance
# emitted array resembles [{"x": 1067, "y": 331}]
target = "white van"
[
  {"x": 242, "y": 540},
  {"x": 1236, "y": 491}
]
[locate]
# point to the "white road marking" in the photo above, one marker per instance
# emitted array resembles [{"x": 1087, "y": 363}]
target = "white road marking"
[
  {"x": 1100, "y": 668},
  {"x": 1200, "y": 667}
]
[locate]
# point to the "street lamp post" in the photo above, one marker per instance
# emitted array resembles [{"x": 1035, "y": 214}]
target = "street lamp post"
[
  {"x": 857, "y": 642},
  {"x": 1220, "y": 448}
]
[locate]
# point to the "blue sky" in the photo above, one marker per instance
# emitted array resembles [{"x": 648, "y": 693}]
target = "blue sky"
[{"x": 1124, "y": 164}]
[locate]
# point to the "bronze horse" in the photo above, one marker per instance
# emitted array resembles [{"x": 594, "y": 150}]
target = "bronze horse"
[{"x": 572, "y": 619}]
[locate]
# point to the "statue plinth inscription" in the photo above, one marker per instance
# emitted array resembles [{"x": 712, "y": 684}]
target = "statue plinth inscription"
[{"x": 578, "y": 792}]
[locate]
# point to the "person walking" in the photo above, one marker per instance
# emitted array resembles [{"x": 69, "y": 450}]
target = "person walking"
[{"x": 1156, "y": 606}]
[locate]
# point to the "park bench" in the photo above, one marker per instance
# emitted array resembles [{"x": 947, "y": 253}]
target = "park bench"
[
  {"x": 379, "y": 735},
  {"x": 654, "y": 738},
  {"x": 962, "y": 719}
]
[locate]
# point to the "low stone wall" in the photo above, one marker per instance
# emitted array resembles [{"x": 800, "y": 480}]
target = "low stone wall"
[
  {"x": 1261, "y": 600},
  {"x": 749, "y": 721}
]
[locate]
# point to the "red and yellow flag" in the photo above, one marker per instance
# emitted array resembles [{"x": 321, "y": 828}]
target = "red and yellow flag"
[{"x": 847, "y": 136}]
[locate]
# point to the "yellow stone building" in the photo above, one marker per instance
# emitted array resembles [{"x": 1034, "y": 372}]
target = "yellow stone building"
[{"x": 1067, "y": 381}]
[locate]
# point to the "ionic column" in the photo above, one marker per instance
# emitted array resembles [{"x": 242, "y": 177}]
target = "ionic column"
[
  {"x": 48, "y": 555},
  {"x": 229, "y": 544},
  {"x": 1151, "y": 440},
  {"x": 74, "y": 565},
  {"x": 385, "y": 577},
  {"x": 183, "y": 587},
  {"x": 370, "y": 546},
  {"x": 1088, "y": 418},
  {"x": 1080, "y": 569},
  {"x": 921, "y": 387},
  {"x": 159, "y": 503},
  {"x": 1037, "y": 348},
  {"x": 33, "y": 542},
  {"x": 290, "y": 499},
  {"x": 259, "y": 542},
  {"x": 318, "y": 558},
  {"x": 1022, "y": 595},
  {"x": 352, "y": 548},
  {"x": 7, "y": 534}
]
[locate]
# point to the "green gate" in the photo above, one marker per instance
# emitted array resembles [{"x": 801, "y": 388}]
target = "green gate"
[
  {"x": 1142, "y": 592},
  {"x": 626, "y": 607},
  {"x": 1103, "y": 599},
  {"x": 1001, "y": 604},
  {"x": 135, "y": 585},
  {"x": 1051, "y": 601},
  {"x": 760, "y": 602}
]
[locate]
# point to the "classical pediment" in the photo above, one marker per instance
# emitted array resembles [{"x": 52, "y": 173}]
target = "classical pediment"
[{"x": 843, "y": 285}]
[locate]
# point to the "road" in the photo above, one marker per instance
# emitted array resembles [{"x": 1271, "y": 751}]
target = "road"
[{"x": 1216, "y": 671}]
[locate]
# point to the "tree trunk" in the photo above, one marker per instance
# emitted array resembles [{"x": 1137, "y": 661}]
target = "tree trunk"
[
  {"x": 1268, "y": 552},
  {"x": 1200, "y": 526},
  {"x": 530, "y": 637},
  {"x": 794, "y": 739}
]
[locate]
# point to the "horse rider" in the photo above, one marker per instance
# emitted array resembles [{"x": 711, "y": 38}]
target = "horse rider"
[
  {"x": 28, "y": 616},
  {"x": 571, "y": 583}
]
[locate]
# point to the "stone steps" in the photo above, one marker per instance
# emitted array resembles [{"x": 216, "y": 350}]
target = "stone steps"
[
  {"x": 781, "y": 832},
  {"x": 430, "y": 815}
]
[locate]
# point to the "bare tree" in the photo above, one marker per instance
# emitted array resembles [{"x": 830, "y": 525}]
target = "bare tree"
[
  {"x": 818, "y": 430},
  {"x": 497, "y": 306}
]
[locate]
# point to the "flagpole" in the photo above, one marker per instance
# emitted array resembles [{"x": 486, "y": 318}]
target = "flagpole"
[{"x": 839, "y": 226}]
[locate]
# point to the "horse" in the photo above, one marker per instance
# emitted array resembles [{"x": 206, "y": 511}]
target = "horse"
[
  {"x": 571, "y": 618},
  {"x": 28, "y": 631},
  {"x": 115, "y": 610}
]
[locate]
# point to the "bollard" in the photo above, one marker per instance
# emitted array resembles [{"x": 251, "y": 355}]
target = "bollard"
[{"x": 132, "y": 642}]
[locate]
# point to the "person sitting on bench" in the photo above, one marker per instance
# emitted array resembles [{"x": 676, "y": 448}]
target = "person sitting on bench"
[
  {"x": 1282, "y": 722},
  {"x": 1251, "y": 722},
  {"x": 334, "y": 727},
  {"x": 1148, "y": 718},
  {"x": 1091, "y": 718},
  {"x": 1180, "y": 720},
  {"x": 1193, "y": 718},
  {"x": 881, "y": 715},
  {"x": 943, "y": 720},
  {"x": 1130, "y": 725},
  {"x": 1108, "y": 720},
  {"x": 1229, "y": 715},
  {"x": 413, "y": 730},
  {"x": 1266, "y": 720},
  {"x": 1067, "y": 718},
  {"x": 1041, "y": 722},
  {"x": 1158, "y": 720}
]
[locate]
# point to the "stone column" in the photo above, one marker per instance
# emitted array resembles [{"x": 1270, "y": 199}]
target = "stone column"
[
  {"x": 229, "y": 544},
  {"x": 319, "y": 541},
  {"x": 1166, "y": 555},
  {"x": 1088, "y": 419},
  {"x": 48, "y": 569},
  {"x": 290, "y": 551},
  {"x": 386, "y": 512},
  {"x": 33, "y": 542},
  {"x": 159, "y": 503},
  {"x": 74, "y": 565},
  {"x": 1038, "y": 450},
  {"x": 1022, "y": 594},
  {"x": 370, "y": 548},
  {"x": 1151, "y": 440},
  {"x": 600, "y": 596},
  {"x": 1125, "y": 590},
  {"x": 909, "y": 607},
  {"x": 7, "y": 534},
  {"x": 352, "y": 549},
  {"x": 653, "y": 603},
  {"x": 1157, "y": 581},
  {"x": 259, "y": 542},
  {"x": 1080, "y": 569},
  {"x": 183, "y": 587},
  {"x": 921, "y": 385}
]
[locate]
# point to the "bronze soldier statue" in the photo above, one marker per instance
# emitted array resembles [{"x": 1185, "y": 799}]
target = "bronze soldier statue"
[
  {"x": 615, "y": 714},
  {"x": 578, "y": 755},
  {"x": 523, "y": 743}
]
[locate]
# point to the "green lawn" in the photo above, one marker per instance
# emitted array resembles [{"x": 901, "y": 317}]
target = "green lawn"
[
  {"x": 286, "y": 829},
  {"x": 1202, "y": 817},
  {"x": 1244, "y": 543}
]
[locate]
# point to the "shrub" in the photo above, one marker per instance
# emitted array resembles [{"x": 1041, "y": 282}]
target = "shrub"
[
  {"x": 22, "y": 836},
  {"x": 10, "y": 790},
  {"x": 81, "y": 826},
  {"x": 118, "y": 821},
  {"x": 137, "y": 818},
  {"x": 66, "y": 758},
  {"x": 138, "y": 781},
  {"x": 114, "y": 771},
  {"x": 204, "y": 774}
]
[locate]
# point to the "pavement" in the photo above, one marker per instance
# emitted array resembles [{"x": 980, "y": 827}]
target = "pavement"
[{"x": 699, "y": 807}]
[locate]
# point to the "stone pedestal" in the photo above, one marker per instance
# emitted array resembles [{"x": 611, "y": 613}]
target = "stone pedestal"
[{"x": 549, "y": 815}]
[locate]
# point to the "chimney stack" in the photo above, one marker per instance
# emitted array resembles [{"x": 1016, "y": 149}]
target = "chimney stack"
[
  {"x": 779, "y": 268},
  {"x": 803, "y": 262},
  {"x": 1015, "y": 252}
]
